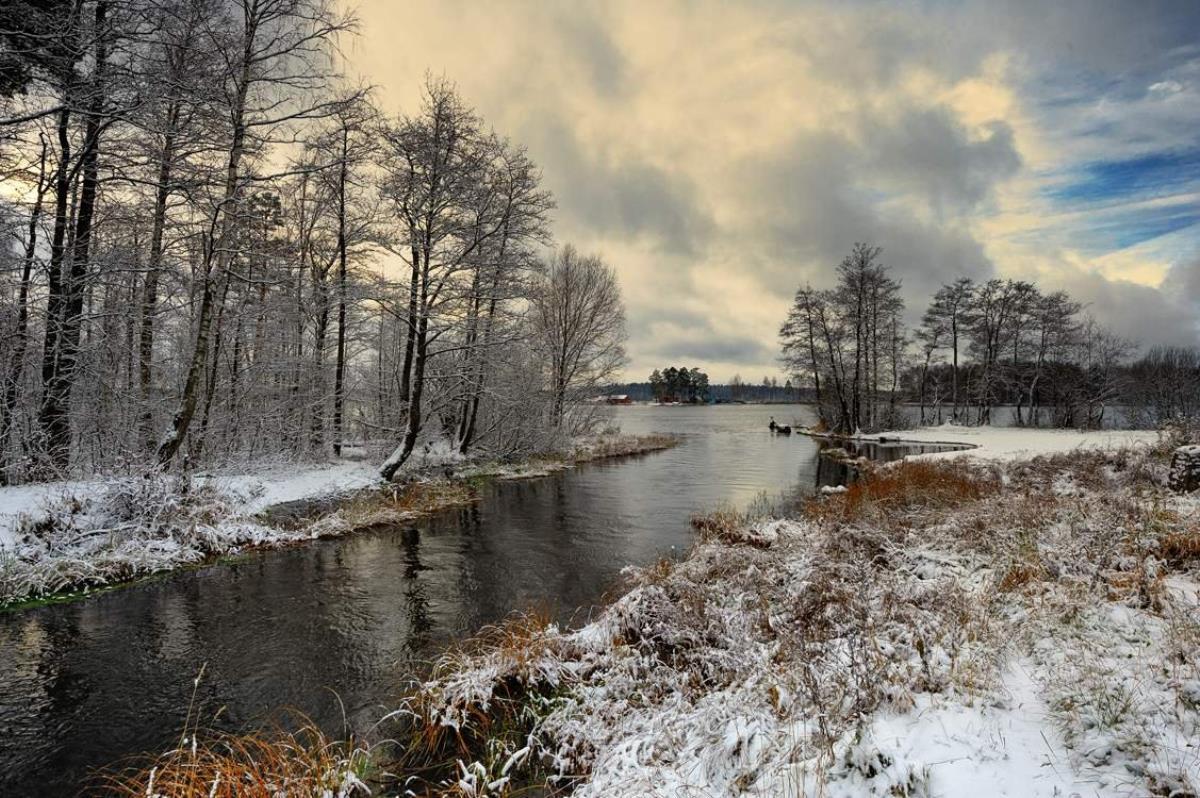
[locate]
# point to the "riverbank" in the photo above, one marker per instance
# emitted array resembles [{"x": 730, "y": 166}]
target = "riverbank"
[
  {"x": 59, "y": 541},
  {"x": 990, "y": 625}
]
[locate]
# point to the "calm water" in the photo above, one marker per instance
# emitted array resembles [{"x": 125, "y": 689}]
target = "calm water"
[{"x": 346, "y": 622}]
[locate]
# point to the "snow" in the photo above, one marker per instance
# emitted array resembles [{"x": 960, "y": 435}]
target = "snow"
[
  {"x": 251, "y": 491},
  {"x": 1007, "y": 746},
  {"x": 1030, "y": 642},
  {"x": 264, "y": 489},
  {"x": 18, "y": 500},
  {"x": 1012, "y": 443}
]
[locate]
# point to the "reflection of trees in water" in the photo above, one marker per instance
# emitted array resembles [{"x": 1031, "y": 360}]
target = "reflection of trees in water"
[
  {"x": 416, "y": 596},
  {"x": 32, "y": 647}
]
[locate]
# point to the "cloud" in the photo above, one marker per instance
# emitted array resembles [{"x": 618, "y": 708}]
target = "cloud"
[
  {"x": 1145, "y": 315},
  {"x": 619, "y": 197},
  {"x": 719, "y": 155},
  {"x": 928, "y": 151}
]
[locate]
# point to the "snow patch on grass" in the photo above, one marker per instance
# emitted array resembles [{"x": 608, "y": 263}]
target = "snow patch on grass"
[{"x": 125, "y": 529}]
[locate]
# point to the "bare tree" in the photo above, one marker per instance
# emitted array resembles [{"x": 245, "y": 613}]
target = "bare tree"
[
  {"x": 441, "y": 184},
  {"x": 277, "y": 63},
  {"x": 578, "y": 322}
]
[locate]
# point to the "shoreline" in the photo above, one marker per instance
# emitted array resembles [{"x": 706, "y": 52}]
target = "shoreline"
[{"x": 244, "y": 529}]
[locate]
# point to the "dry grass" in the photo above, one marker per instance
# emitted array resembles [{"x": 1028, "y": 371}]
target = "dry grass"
[
  {"x": 724, "y": 525},
  {"x": 882, "y": 493},
  {"x": 266, "y": 765},
  {"x": 1179, "y": 546},
  {"x": 402, "y": 502}
]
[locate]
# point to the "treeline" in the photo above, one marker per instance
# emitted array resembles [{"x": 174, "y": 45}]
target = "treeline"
[
  {"x": 215, "y": 247},
  {"x": 979, "y": 345},
  {"x": 674, "y": 384},
  {"x": 769, "y": 390}
]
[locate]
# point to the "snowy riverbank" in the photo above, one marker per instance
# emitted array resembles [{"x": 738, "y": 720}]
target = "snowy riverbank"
[
  {"x": 992, "y": 625},
  {"x": 67, "y": 536}
]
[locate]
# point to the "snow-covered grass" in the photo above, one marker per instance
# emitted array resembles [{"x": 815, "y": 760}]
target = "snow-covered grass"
[
  {"x": 124, "y": 529},
  {"x": 1003, "y": 627},
  {"x": 248, "y": 491},
  {"x": 64, "y": 537}
]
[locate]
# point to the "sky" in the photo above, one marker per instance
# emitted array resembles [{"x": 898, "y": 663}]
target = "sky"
[{"x": 720, "y": 155}]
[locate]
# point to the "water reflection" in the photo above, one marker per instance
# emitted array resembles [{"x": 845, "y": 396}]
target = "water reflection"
[{"x": 337, "y": 628}]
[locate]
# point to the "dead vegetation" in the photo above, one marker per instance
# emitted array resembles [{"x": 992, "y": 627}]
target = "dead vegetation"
[
  {"x": 398, "y": 503},
  {"x": 622, "y": 446},
  {"x": 299, "y": 764},
  {"x": 885, "y": 493}
]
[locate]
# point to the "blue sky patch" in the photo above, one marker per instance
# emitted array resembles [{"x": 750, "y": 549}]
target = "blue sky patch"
[{"x": 1152, "y": 175}]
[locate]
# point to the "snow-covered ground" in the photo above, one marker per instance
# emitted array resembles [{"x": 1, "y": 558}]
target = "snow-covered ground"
[
  {"x": 249, "y": 492},
  {"x": 1023, "y": 628},
  {"x": 1008, "y": 443}
]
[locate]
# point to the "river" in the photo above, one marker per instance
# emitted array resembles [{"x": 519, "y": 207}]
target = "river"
[{"x": 335, "y": 629}]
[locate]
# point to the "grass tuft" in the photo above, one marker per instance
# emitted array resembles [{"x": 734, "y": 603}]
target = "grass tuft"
[
  {"x": 909, "y": 485},
  {"x": 297, "y": 764}
]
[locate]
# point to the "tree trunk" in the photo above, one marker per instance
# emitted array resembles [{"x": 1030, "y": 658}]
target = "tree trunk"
[
  {"x": 219, "y": 255},
  {"x": 59, "y": 378},
  {"x": 412, "y": 425},
  {"x": 411, "y": 323},
  {"x": 340, "y": 367},
  {"x": 162, "y": 195}
]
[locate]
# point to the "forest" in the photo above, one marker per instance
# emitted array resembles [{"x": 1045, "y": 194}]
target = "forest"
[
  {"x": 218, "y": 247},
  {"x": 979, "y": 345}
]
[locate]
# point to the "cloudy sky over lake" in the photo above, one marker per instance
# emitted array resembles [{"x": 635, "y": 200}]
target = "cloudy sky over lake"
[{"x": 720, "y": 155}]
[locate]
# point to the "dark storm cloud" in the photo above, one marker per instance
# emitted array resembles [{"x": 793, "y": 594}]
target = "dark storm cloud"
[{"x": 1143, "y": 314}]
